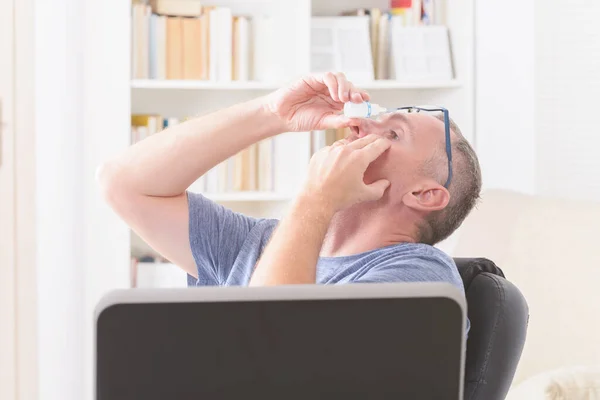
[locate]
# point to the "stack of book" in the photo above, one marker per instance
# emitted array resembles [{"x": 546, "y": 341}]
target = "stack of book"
[
  {"x": 387, "y": 35},
  {"x": 249, "y": 170},
  {"x": 144, "y": 125},
  {"x": 182, "y": 39}
]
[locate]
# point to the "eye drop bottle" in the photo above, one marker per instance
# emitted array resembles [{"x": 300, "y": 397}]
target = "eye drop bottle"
[{"x": 362, "y": 110}]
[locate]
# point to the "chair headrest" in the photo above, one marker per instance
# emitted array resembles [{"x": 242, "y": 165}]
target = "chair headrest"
[{"x": 469, "y": 268}]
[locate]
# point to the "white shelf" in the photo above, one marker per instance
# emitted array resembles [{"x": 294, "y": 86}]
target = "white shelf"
[
  {"x": 160, "y": 275},
  {"x": 254, "y": 85},
  {"x": 202, "y": 85},
  {"x": 248, "y": 196},
  {"x": 393, "y": 84}
]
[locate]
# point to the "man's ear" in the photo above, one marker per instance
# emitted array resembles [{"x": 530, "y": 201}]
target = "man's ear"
[{"x": 427, "y": 197}]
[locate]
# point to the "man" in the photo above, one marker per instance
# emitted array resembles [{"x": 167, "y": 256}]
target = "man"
[{"x": 371, "y": 209}]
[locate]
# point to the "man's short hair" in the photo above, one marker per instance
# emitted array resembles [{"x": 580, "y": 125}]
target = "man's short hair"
[{"x": 465, "y": 187}]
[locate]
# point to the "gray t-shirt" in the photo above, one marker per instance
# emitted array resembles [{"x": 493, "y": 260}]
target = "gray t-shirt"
[{"x": 226, "y": 246}]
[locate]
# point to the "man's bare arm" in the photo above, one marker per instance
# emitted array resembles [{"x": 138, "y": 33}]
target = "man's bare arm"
[
  {"x": 292, "y": 254},
  {"x": 146, "y": 184},
  {"x": 335, "y": 181}
]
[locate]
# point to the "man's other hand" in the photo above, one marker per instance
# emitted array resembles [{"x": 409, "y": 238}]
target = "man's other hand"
[
  {"x": 336, "y": 173},
  {"x": 315, "y": 102}
]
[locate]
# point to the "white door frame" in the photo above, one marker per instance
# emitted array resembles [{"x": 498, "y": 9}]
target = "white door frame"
[
  {"x": 18, "y": 336},
  {"x": 25, "y": 202},
  {"x": 8, "y": 305},
  {"x": 67, "y": 248}
]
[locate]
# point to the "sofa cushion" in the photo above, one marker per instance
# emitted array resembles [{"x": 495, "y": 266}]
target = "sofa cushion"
[
  {"x": 550, "y": 249},
  {"x": 572, "y": 383}
]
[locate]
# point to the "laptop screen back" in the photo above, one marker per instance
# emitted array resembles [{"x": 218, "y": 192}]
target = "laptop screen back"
[{"x": 400, "y": 348}]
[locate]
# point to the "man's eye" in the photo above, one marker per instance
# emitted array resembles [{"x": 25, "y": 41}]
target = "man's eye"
[{"x": 392, "y": 135}]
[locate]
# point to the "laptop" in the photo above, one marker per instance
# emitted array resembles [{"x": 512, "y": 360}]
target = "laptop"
[{"x": 355, "y": 341}]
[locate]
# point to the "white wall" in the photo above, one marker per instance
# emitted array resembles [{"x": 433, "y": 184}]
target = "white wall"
[
  {"x": 59, "y": 201},
  {"x": 105, "y": 108},
  {"x": 27, "y": 313},
  {"x": 504, "y": 94},
  {"x": 537, "y": 96},
  {"x": 567, "y": 89},
  {"x": 80, "y": 95},
  {"x": 8, "y": 281}
]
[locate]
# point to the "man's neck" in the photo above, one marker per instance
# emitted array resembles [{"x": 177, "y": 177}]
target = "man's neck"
[{"x": 362, "y": 228}]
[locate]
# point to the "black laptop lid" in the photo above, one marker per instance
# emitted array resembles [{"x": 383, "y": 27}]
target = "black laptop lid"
[{"x": 282, "y": 343}]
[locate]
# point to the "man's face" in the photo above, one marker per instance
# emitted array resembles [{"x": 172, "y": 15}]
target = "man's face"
[{"x": 415, "y": 137}]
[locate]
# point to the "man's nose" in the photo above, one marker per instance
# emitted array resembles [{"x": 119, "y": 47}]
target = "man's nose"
[{"x": 368, "y": 127}]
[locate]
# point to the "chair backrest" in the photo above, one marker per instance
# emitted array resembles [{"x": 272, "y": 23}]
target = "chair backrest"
[{"x": 498, "y": 314}]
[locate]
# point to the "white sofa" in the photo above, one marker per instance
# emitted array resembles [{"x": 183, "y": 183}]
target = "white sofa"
[{"x": 550, "y": 249}]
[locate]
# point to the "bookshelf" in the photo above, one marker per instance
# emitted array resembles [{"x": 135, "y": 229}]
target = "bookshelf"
[
  {"x": 292, "y": 27},
  {"x": 152, "y": 84}
]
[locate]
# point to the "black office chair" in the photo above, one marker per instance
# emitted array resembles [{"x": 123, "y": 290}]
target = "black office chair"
[{"x": 499, "y": 315}]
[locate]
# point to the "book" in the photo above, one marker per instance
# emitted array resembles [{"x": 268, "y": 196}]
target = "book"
[
  {"x": 153, "y": 122},
  {"x": 318, "y": 140},
  {"x": 439, "y": 12},
  {"x": 245, "y": 166},
  {"x": 204, "y": 43},
  {"x": 265, "y": 150},
  {"x": 161, "y": 46},
  {"x": 330, "y": 136},
  {"x": 222, "y": 177},
  {"x": 235, "y": 48},
  {"x": 134, "y": 42},
  {"x": 262, "y": 54},
  {"x": 290, "y": 149},
  {"x": 251, "y": 169},
  {"x": 230, "y": 173},
  {"x": 420, "y": 52},
  {"x": 224, "y": 43},
  {"x": 383, "y": 48},
  {"x": 141, "y": 28},
  {"x": 241, "y": 49},
  {"x": 192, "y": 43},
  {"x": 152, "y": 48},
  {"x": 144, "y": 125},
  {"x": 238, "y": 170},
  {"x": 177, "y": 8},
  {"x": 208, "y": 43},
  {"x": 428, "y": 12},
  {"x": 374, "y": 14},
  {"x": 402, "y": 9},
  {"x": 174, "y": 48},
  {"x": 417, "y": 13},
  {"x": 240, "y": 161},
  {"x": 211, "y": 178},
  {"x": 146, "y": 41},
  {"x": 342, "y": 44},
  {"x": 213, "y": 44},
  {"x": 171, "y": 121},
  {"x": 374, "y": 17}
]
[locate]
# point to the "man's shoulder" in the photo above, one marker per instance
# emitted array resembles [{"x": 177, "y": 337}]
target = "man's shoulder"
[
  {"x": 426, "y": 262},
  {"x": 415, "y": 251}
]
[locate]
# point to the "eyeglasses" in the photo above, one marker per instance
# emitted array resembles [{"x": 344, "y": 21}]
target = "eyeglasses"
[{"x": 416, "y": 109}]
